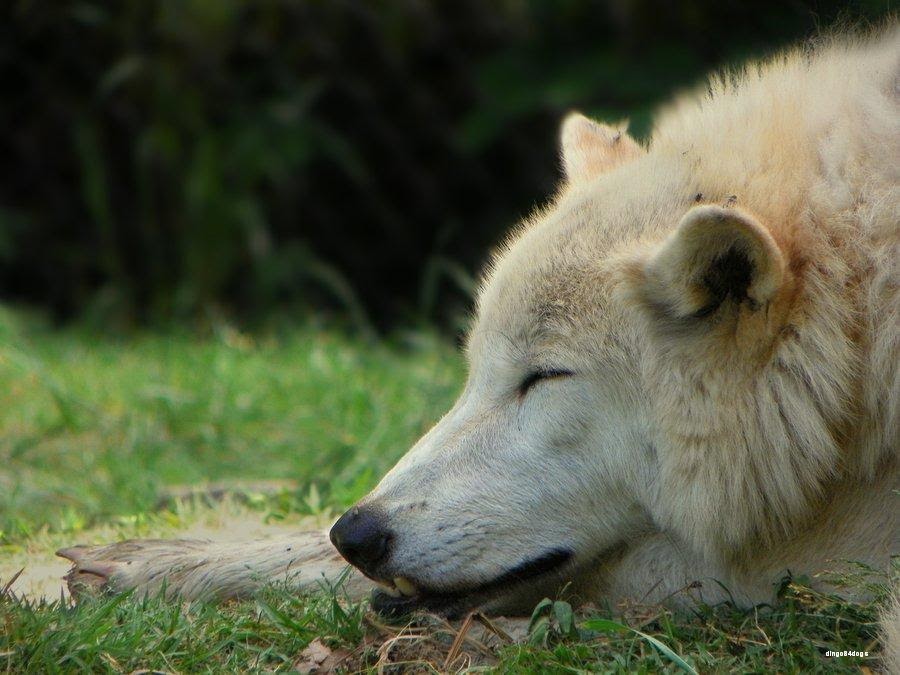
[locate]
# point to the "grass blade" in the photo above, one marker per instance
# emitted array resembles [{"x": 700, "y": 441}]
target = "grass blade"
[{"x": 606, "y": 626}]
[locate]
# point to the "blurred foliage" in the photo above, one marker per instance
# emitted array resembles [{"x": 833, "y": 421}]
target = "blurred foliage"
[{"x": 167, "y": 157}]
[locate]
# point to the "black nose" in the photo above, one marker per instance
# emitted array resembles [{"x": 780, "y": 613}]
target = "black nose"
[{"x": 361, "y": 536}]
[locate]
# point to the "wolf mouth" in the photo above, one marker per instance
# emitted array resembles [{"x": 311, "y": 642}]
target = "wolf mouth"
[{"x": 454, "y": 602}]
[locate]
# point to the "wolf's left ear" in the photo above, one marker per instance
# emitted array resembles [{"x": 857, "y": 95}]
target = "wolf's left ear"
[
  {"x": 590, "y": 148},
  {"x": 716, "y": 254}
]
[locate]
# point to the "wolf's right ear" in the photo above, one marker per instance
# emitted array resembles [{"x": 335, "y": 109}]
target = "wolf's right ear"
[{"x": 590, "y": 148}]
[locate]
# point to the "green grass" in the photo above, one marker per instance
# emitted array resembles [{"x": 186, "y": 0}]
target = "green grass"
[{"x": 94, "y": 428}]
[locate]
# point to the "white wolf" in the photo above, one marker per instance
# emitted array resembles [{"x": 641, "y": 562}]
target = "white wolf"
[{"x": 686, "y": 369}]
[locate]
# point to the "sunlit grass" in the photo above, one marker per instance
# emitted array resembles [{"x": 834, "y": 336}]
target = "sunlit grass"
[
  {"x": 94, "y": 428},
  {"x": 270, "y": 632}
]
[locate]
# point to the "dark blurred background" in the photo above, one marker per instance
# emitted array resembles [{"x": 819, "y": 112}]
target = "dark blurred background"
[{"x": 163, "y": 160}]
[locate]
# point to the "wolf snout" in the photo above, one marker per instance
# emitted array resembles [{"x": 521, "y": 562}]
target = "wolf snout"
[{"x": 361, "y": 535}]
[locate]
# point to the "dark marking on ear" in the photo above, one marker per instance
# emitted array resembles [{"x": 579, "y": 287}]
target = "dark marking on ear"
[
  {"x": 705, "y": 311},
  {"x": 729, "y": 275},
  {"x": 670, "y": 323}
]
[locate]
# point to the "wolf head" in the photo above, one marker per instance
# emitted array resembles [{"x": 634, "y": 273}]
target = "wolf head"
[{"x": 615, "y": 388}]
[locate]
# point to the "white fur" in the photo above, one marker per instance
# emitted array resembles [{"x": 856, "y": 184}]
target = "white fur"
[{"x": 750, "y": 437}]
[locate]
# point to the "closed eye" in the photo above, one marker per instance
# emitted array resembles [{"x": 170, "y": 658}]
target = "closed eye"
[{"x": 539, "y": 375}]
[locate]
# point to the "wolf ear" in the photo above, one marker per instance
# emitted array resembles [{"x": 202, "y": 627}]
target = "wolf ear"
[
  {"x": 590, "y": 148},
  {"x": 715, "y": 254}
]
